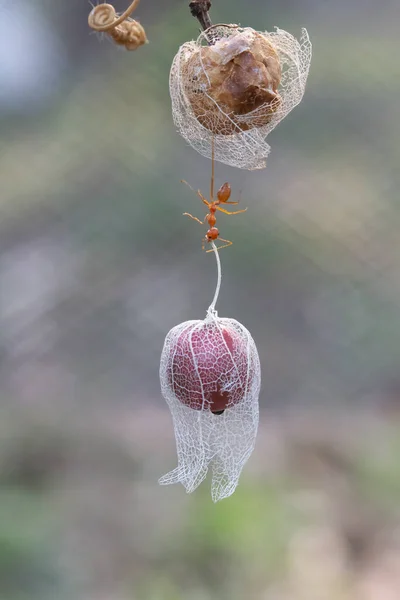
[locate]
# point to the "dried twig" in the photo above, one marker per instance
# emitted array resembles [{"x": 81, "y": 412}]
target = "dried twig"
[
  {"x": 124, "y": 30},
  {"x": 199, "y": 9}
]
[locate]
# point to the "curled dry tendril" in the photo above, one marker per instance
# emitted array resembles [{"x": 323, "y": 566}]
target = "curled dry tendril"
[{"x": 123, "y": 30}]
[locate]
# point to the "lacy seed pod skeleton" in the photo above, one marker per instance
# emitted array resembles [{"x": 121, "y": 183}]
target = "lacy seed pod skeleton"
[
  {"x": 234, "y": 84},
  {"x": 210, "y": 379},
  {"x": 124, "y": 31}
]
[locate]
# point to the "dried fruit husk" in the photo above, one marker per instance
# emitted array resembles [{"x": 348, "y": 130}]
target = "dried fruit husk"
[{"x": 233, "y": 85}]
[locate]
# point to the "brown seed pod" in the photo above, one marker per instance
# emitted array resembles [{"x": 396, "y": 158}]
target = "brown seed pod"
[
  {"x": 234, "y": 85},
  {"x": 123, "y": 30},
  {"x": 233, "y": 77}
]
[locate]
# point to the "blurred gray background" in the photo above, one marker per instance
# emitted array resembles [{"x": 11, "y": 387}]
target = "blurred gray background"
[{"x": 97, "y": 264}]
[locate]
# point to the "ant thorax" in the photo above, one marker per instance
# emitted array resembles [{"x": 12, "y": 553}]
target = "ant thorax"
[{"x": 211, "y": 218}]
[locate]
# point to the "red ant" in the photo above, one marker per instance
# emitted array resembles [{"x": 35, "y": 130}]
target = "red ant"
[{"x": 223, "y": 196}]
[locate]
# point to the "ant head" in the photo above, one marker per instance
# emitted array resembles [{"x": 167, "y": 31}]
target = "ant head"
[{"x": 212, "y": 234}]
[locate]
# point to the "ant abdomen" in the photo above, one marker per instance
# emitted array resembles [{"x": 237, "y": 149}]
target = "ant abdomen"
[{"x": 224, "y": 192}]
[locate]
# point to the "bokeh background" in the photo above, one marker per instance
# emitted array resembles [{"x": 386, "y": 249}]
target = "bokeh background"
[{"x": 97, "y": 264}]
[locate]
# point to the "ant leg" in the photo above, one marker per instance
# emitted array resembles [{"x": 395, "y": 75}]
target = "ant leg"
[
  {"x": 194, "y": 218},
  {"x": 200, "y": 195},
  {"x": 236, "y": 212},
  {"x": 228, "y": 243},
  {"x": 189, "y": 186}
]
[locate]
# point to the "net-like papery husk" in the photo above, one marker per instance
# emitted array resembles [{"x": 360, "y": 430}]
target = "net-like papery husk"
[
  {"x": 236, "y": 84},
  {"x": 205, "y": 366}
]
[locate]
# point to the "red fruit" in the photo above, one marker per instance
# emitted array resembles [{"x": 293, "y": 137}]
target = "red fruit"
[{"x": 208, "y": 366}]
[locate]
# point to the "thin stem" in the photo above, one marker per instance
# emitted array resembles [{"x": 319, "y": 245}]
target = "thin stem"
[
  {"x": 211, "y": 311},
  {"x": 199, "y": 9},
  {"x": 126, "y": 14}
]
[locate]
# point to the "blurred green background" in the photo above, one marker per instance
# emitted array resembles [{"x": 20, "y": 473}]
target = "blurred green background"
[{"x": 97, "y": 264}]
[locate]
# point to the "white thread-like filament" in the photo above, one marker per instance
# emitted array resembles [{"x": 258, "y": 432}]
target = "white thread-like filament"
[{"x": 211, "y": 310}]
